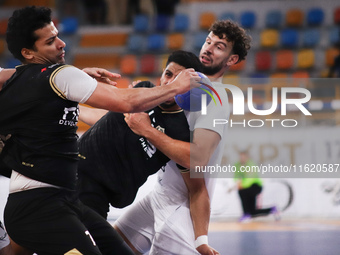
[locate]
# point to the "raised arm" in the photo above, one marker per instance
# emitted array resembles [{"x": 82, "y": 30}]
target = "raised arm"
[
  {"x": 141, "y": 99},
  {"x": 196, "y": 153},
  {"x": 5, "y": 74}
]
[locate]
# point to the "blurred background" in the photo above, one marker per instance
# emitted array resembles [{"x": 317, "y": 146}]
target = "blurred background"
[
  {"x": 295, "y": 43},
  {"x": 291, "y": 39}
]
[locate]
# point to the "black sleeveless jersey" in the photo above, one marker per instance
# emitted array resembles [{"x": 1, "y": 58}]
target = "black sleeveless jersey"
[
  {"x": 43, "y": 124},
  {"x": 119, "y": 159}
]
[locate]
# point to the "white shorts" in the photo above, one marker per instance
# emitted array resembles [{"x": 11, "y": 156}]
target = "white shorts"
[
  {"x": 4, "y": 240},
  {"x": 158, "y": 224}
]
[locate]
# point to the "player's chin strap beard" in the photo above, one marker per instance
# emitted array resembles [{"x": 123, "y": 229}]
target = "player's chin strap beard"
[{"x": 208, "y": 70}]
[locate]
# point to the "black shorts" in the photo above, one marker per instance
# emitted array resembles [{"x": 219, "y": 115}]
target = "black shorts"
[
  {"x": 94, "y": 195},
  {"x": 54, "y": 221}
]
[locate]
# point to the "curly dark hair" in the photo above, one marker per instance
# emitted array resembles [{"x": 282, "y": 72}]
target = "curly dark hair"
[
  {"x": 235, "y": 34},
  {"x": 21, "y": 27}
]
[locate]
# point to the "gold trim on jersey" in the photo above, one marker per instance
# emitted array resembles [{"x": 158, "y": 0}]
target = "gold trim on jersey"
[
  {"x": 73, "y": 252},
  {"x": 27, "y": 164},
  {"x": 180, "y": 110},
  {"x": 161, "y": 129},
  {"x": 185, "y": 170},
  {"x": 81, "y": 156},
  {"x": 53, "y": 85}
]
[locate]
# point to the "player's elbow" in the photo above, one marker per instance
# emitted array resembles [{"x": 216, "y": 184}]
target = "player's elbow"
[{"x": 200, "y": 161}]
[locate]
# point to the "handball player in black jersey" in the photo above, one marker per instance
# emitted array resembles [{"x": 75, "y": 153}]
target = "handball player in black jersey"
[
  {"x": 116, "y": 160},
  {"x": 39, "y": 108},
  {"x": 7, "y": 247}
]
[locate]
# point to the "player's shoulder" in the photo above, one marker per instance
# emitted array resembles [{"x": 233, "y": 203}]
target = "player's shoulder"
[
  {"x": 60, "y": 66},
  {"x": 42, "y": 69},
  {"x": 66, "y": 72}
]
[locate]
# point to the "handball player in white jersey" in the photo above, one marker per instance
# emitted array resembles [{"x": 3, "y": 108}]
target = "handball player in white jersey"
[{"x": 174, "y": 217}]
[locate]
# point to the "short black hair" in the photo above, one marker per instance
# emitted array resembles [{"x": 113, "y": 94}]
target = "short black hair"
[
  {"x": 186, "y": 59},
  {"x": 22, "y": 25},
  {"x": 144, "y": 84}
]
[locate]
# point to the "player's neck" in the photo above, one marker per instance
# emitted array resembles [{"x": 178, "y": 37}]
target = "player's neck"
[{"x": 214, "y": 78}]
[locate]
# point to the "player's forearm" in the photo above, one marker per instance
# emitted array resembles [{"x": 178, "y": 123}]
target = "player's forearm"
[
  {"x": 146, "y": 98},
  {"x": 185, "y": 154},
  {"x": 90, "y": 115},
  {"x": 176, "y": 150},
  {"x": 130, "y": 100},
  {"x": 204, "y": 143},
  {"x": 5, "y": 74},
  {"x": 200, "y": 212},
  {"x": 140, "y": 99}
]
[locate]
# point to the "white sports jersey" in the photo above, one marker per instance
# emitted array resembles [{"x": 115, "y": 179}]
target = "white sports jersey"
[
  {"x": 170, "y": 181},
  {"x": 161, "y": 221},
  {"x": 75, "y": 84}
]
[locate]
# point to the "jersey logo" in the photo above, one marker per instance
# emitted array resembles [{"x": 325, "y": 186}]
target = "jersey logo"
[
  {"x": 159, "y": 128},
  {"x": 70, "y": 117},
  {"x": 147, "y": 147}
]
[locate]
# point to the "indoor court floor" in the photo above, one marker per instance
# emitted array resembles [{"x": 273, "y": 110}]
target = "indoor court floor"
[{"x": 285, "y": 237}]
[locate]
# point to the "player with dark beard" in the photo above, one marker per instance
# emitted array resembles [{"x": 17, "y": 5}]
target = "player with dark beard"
[{"x": 116, "y": 160}]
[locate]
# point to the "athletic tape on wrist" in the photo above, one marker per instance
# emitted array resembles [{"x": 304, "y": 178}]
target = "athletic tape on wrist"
[{"x": 201, "y": 240}]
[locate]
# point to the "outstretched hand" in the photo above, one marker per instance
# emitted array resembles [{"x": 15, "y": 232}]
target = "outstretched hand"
[
  {"x": 187, "y": 79},
  {"x": 205, "y": 249},
  {"x": 102, "y": 75}
]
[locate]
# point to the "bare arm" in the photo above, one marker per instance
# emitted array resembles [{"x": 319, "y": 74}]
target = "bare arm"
[
  {"x": 90, "y": 115},
  {"x": 5, "y": 74},
  {"x": 127, "y": 100},
  {"x": 198, "y": 152},
  {"x": 141, "y": 99},
  {"x": 199, "y": 210}
]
